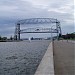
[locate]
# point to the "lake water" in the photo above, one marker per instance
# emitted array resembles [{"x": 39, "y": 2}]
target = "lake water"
[{"x": 21, "y": 58}]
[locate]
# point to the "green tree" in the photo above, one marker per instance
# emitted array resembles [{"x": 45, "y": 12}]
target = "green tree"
[
  {"x": 0, "y": 38},
  {"x": 11, "y": 38},
  {"x": 4, "y": 38}
]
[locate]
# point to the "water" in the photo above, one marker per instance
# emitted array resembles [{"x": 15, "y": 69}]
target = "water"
[{"x": 21, "y": 58}]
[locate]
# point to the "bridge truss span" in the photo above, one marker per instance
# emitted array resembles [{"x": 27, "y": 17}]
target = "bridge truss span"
[
  {"x": 38, "y": 30},
  {"x": 34, "y": 21},
  {"x": 38, "y": 21}
]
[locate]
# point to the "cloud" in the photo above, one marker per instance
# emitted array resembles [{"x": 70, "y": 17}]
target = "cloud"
[{"x": 13, "y": 10}]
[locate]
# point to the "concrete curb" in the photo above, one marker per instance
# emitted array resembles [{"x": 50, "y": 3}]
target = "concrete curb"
[{"x": 46, "y": 66}]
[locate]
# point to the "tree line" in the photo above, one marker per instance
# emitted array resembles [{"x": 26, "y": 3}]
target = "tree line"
[
  {"x": 69, "y": 36},
  {"x": 5, "y": 38}
]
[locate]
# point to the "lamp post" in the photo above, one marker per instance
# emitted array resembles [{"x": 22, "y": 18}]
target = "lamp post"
[{"x": 51, "y": 34}]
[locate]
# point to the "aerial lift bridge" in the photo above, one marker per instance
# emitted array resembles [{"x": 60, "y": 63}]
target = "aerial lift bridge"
[{"x": 32, "y": 21}]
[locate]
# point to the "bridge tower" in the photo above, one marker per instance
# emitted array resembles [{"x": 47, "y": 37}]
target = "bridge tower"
[
  {"x": 58, "y": 27},
  {"x": 17, "y": 32}
]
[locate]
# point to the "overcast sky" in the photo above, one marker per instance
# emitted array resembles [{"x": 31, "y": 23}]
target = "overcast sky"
[{"x": 13, "y": 10}]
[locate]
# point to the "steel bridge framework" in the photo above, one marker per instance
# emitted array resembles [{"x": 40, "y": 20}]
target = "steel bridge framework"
[{"x": 19, "y": 31}]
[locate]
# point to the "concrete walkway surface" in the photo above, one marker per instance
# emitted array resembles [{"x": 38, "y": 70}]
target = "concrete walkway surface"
[
  {"x": 64, "y": 59},
  {"x": 46, "y": 66}
]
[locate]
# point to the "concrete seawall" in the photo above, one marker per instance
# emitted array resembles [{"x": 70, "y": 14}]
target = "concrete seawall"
[
  {"x": 46, "y": 66},
  {"x": 58, "y": 59}
]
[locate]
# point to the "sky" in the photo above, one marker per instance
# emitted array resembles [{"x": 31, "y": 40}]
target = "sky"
[{"x": 13, "y": 10}]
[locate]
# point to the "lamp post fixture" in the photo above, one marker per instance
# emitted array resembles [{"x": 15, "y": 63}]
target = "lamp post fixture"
[{"x": 51, "y": 34}]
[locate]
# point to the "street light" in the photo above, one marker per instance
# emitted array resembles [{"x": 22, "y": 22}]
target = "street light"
[{"x": 51, "y": 33}]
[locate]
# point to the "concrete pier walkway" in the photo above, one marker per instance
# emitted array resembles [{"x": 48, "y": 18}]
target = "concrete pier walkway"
[
  {"x": 46, "y": 66},
  {"x": 64, "y": 60},
  {"x": 58, "y": 60}
]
